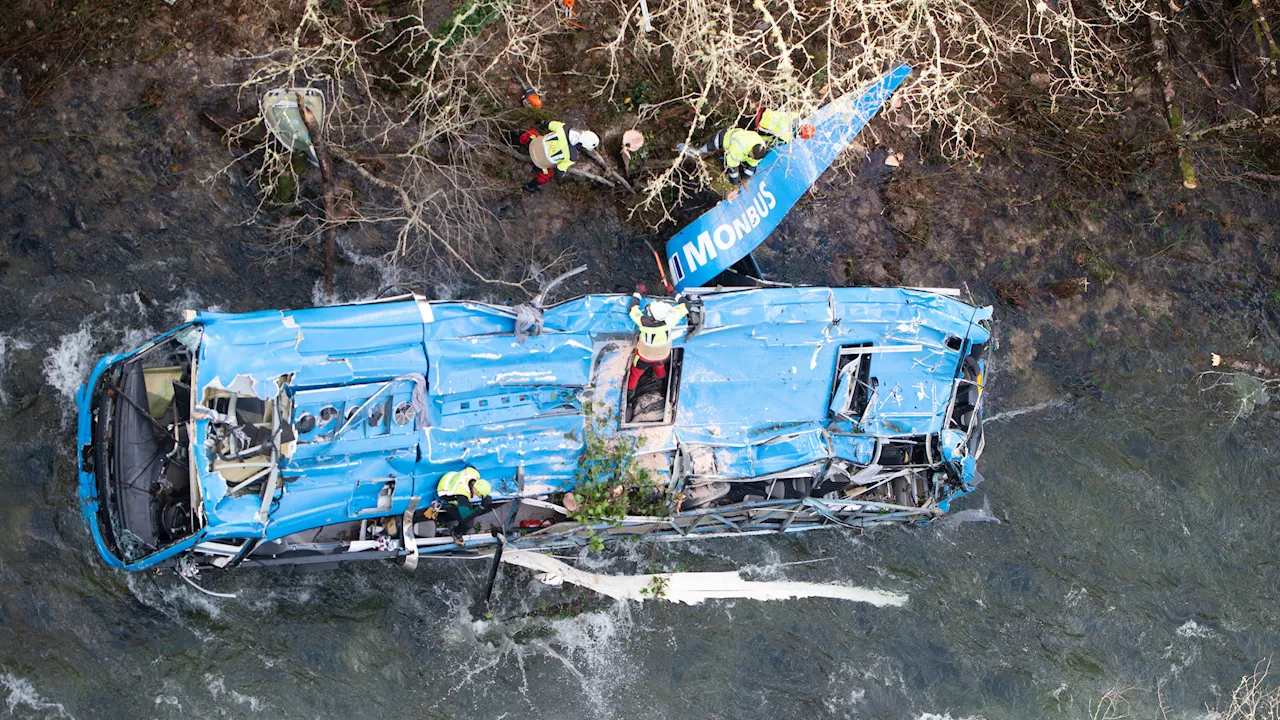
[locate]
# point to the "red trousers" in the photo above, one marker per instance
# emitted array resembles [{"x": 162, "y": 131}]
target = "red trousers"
[{"x": 640, "y": 366}]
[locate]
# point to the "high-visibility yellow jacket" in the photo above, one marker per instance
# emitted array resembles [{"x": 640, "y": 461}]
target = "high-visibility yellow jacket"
[
  {"x": 454, "y": 483},
  {"x": 655, "y": 338},
  {"x": 778, "y": 124},
  {"x": 556, "y": 143},
  {"x": 737, "y": 147}
]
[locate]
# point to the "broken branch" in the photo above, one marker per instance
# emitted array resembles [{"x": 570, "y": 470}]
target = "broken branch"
[
  {"x": 330, "y": 190},
  {"x": 609, "y": 169}
]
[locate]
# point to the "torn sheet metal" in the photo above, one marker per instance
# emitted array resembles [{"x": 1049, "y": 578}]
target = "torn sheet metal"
[{"x": 729, "y": 231}]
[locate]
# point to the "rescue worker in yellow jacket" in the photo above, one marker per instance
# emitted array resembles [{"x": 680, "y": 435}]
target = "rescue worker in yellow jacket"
[
  {"x": 653, "y": 347},
  {"x": 782, "y": 125},
  {"x": 456, "y": 490},
  {"x": 743, "y": 151},
  {"x": 555, "y": 150}
]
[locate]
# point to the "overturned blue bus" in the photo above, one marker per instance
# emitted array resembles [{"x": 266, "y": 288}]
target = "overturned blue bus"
[{"x": 314, "y": 436}]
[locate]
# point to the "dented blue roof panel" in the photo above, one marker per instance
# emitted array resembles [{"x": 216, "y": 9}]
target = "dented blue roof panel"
[{"x": 755, "y": 387}]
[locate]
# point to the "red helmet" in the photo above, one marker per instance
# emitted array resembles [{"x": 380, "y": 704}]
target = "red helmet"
[{"x": 807, "y": 131}]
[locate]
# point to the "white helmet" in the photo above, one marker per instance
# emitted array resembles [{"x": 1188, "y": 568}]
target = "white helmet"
[
  {"x": 588, "y": 140},
  {"x": 659, "y": 310}
]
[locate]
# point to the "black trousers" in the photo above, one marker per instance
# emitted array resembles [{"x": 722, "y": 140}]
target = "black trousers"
[{"x": 457, "y": 509}]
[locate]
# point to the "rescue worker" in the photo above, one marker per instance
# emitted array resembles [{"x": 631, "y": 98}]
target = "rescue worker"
[
  {"x": 456, "y": 490},
  {"x": 655, "y": 324},
  {"x": 555, "y": 151},
  {"x": 782, "y": 125},
  {"x": 743, "y": 151}
]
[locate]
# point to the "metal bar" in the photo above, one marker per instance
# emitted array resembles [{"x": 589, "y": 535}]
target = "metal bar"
[
  {"x": 795, "y": 513},
  {"x": 547, "y": 505},
  {"x": 493, "y": 570},
  {"x": 228, "y": 466},
  {"x": 644, "y": 16},
  {"x": 268, "y": 492},
  {"x": 319, "y": 559},
  {"x": 252, "y": 479},
  {"x": 949, "y": 292},
  {"x": 726, "y": 521},
  {"x": 880, "y": 349}
]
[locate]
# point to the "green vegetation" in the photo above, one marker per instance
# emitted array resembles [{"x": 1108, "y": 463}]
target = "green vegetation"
[
  {"x": 657, "y": 587},
  {"x": 609, "y": 483}
]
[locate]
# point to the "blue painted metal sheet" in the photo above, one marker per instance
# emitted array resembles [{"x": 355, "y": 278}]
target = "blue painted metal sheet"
[
  {"x": 755, "y": 385},
  {"x": 733, "y": 228}
]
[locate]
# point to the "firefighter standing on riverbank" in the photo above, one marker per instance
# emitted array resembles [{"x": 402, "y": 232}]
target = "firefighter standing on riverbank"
[
  {"x": 653, "y": 347},
  {"x": 744, "y": 149},
  {"x": 554, "y": 151}
]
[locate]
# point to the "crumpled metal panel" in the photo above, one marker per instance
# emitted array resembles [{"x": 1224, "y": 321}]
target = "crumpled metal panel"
[
  {"x": 487, "y": 362},
  {"x": 754, "y": 389}
]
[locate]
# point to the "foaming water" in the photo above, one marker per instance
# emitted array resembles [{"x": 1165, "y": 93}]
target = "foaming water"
[
  {"x": 120, "y": 327},
  {"x": 217, "y": 687},
  {"x": 67, "y": 364},
  {"x": 1051, "y": 404},
  {"x": 972, "y": 515},
  {"x": 389, "y": 275},
  {"x": 587, "y": 648},
  {"x": 190, "y": 299},
  {"x": 23, "y": 696},
  {"x": 172, "y": 598}
]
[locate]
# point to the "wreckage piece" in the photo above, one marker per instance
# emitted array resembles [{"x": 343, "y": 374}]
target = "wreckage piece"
[
  {"x": 283, "y": 118},
  {"x": 692, "y": 588},
  {"x": 316, "y": 436},
  {"x": 716, "y": 248}
]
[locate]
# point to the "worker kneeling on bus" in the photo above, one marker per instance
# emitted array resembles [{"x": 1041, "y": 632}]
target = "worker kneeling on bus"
[
  {"x": 457, "y": 490},
  {"x": 653, "y": 347}
]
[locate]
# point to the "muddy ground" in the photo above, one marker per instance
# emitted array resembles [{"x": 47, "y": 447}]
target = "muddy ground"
[{"x": 1092, "y": 252}]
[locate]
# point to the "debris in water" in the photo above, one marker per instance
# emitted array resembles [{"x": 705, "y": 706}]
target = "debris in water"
[{"x": 691, "y": 588}]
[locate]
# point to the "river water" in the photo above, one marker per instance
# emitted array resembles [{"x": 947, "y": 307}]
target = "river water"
[{"x": 1124, "y": 538}]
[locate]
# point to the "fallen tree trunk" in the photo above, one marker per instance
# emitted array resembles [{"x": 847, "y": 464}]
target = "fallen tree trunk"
[
  {"x": 330, "y": 189},
  {"x": 1245, "y": 366},
  {"x": 1172, "y": 113}
]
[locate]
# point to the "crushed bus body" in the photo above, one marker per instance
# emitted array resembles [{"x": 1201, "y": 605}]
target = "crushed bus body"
[{"x": 316, "y": 436}]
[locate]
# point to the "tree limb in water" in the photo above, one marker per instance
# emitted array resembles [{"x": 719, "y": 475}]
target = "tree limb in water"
[{"x": 413, "y": 219}]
